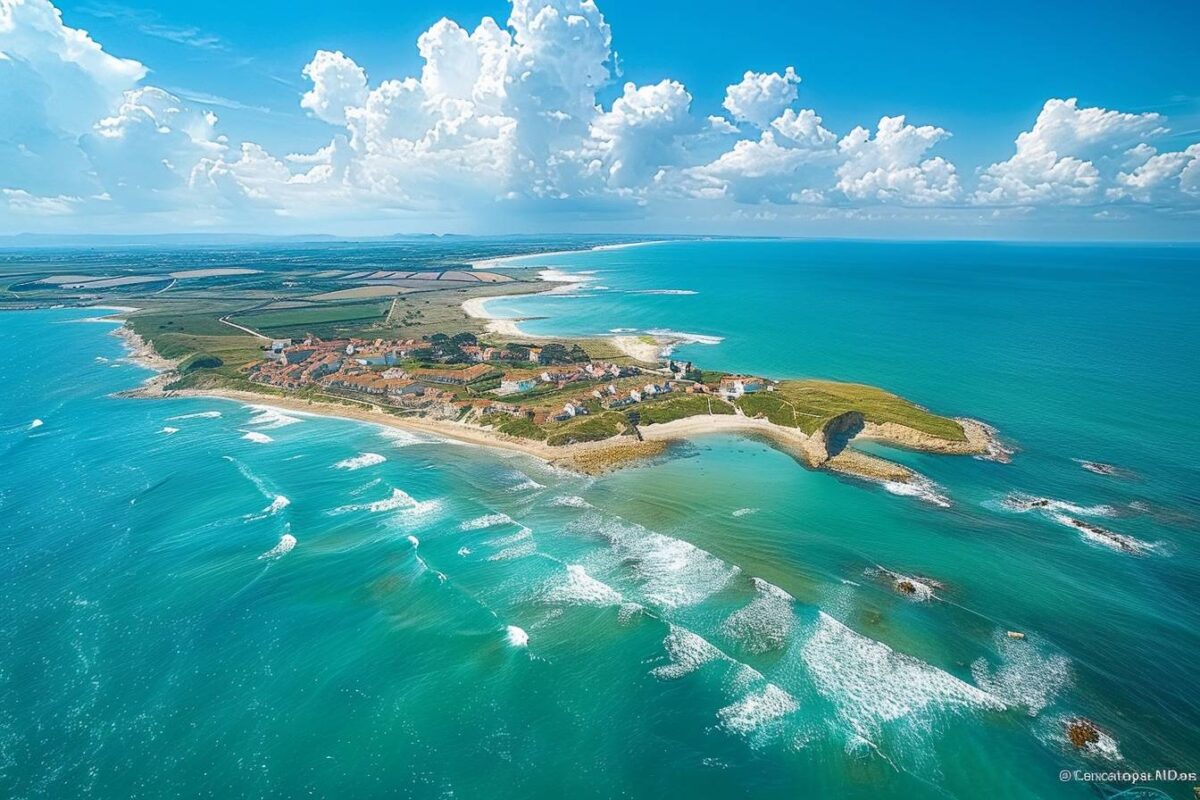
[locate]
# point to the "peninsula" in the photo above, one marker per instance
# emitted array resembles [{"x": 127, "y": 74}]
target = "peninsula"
[{"x": 413, "y": 347}]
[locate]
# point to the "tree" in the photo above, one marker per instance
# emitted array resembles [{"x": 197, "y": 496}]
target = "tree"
[{"x": 555, "y": 353}]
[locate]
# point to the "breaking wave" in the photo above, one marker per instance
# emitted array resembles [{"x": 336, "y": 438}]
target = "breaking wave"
[
  {"x": 870, "y": 684},
  {"x": 37, "y": 423},
  {"x": 757, "y": 709},
  {"x": 1024, "y": 677},
  {"x": 399, "y": 500},
  {"x": 921, "y": 488},
  {"x": 516, "y": 637},
  {"x": 270, "y": 417},
  {"x": 672, "y": 573},
  {"x": 197, "y": 415},
  {"x": 286, "y": 543},
  {"x": 765, "y": 623},
  {"x": 360, "y": 461},
  {"x": 169, "y": 430},
  {"x": 255, "y": 436},
  {"x": 485, "y": 521},
  {"x": 571, "y": 501},
  {"x": 576, "y": 587}
]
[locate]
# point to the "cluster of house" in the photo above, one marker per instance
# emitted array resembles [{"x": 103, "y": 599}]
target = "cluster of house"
[
  {"x": 519, "y": 381},
  {"x": 352, "y": 366},
  {"x": 481, "y": 353}
]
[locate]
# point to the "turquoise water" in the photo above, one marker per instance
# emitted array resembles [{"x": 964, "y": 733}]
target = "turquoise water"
[{"x": 453, "y": 621}]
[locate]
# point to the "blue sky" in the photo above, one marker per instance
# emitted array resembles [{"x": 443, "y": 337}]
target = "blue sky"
[{"x": 967, "y": 79}]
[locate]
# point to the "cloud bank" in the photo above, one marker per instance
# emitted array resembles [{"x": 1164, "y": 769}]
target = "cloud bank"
[{"x": 507, "y": 119}]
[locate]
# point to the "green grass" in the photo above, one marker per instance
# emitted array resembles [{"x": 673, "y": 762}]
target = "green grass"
[
  {"x": 771, "y": 406},
  {"x": 679, "y": 406},
  {"x": 325, "y": 317},
  {"x": 592, "y": 428},
  {"x": 522, "y": 427},
  {"x": 816, "y": 402}
]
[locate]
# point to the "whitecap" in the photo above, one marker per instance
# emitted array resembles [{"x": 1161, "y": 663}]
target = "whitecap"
[
  {"x": 464, "y": 551},
  {"x": 921, "y": 488},
  {"x": 570, "y": 501},
  {"x": 399, "y": 438},
  {"x": 870, "y": 684},
  {"x": 278, "y": 503},
  {"x": 517, "y": 637},
  {"x": 1025, "y": 676},
  {"x": 485, "y": 521},
  {"x": 255, "y": 436},
  {"x": 743, "y": 512},
  {"x": 360, "y": 461},
  {"x": 765, "y": 623},
  {"x": 169, "y": 430},
  {"x": 576, "y": 587},
  {"x": 286, "y": 543},
  {"x": 399, "y": 500},
  {"x": 197, "y": 415},
  {"x": 688, "y": 652},
  {"x": 673, "y": 573},
  {"x": 680, "y": 292},
  {"x": 270, "y": 417},
  {"x": 520, "y": 550},
  {"x": 37, "y": 423},
  {"x": 529, "y": 484},
  {"x": 683, "y": 337},
  {"x": 622, "y": 330},
  {"x": 414, "y": 541},
  {"x": 757, "y": 709}
]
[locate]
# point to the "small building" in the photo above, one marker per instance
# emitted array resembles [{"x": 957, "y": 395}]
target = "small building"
[{"x": 734, "y": 386}]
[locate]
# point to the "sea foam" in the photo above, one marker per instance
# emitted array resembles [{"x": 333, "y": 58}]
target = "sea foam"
[
  {"x": 255, "y": 436},
  {"x": 576, "y": 587},
  {"x": 516, "y": 637},
  {"x": 286, "y": 543},
  {"x": 360, "y": 461},
  {"x": 870, "y": 684}
]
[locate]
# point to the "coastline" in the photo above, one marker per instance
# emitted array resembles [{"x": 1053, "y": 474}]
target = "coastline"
[
  {"x": 488, "y": 263},
  {"x": 590, "y": 458}
]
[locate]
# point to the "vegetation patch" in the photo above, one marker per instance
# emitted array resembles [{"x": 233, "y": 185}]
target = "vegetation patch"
[
  {"x": 680, "y": 406},
  {"x": 817, "y": 402}
]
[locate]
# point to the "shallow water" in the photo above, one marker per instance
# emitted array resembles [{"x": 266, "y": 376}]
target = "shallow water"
[{"x": 448, "y": 620}]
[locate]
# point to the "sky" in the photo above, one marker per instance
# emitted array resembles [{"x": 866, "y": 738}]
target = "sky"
[{"x": 951, "y": 120}]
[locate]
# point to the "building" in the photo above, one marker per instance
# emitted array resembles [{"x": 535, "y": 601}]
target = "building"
[
  {"x": 734, "y": 386},
  {"x": 454, "y": 377}
]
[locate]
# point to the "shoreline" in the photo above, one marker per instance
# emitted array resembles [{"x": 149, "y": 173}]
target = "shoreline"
[
  {"x": 488, "y": 263},
  {"x": 591, "y": 458}
]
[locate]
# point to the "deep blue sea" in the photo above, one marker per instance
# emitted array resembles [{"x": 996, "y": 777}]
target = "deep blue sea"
[{"x": 204, "y": 598}]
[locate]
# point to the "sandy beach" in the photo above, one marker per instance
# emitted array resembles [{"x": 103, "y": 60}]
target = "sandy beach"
[{"x": 501, "y": 260}]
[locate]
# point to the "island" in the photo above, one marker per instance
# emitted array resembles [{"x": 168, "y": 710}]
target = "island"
[{"x": 408, "y": 347}]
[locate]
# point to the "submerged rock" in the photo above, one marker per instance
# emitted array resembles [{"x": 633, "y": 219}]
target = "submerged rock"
[{"x": 1082, "y": 732}]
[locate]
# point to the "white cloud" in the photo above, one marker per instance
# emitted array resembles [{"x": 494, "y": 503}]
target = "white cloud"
[
  {"x": 338, "y": 83},
  {"x": 891, "y": 166},
  {"x": 1157, "y": 177},
  {"x": 761, "y": 96},
  {"x": 504, "y": 121},
  {"x": 638, "y": 136},
  {"x": 1067, "y": 157}
]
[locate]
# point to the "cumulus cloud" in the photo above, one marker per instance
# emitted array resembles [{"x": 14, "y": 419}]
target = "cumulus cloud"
[
  {"x": 1067, "y": 157},
  {"x": 338, "y": 83},
  {"x": 891, "y": 165},
  {"x": 510, "y": 116},
  {"x": 761, "y": 96}
]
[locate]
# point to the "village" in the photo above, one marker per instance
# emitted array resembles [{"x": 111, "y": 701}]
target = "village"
[{"x": 459, "y": 377}]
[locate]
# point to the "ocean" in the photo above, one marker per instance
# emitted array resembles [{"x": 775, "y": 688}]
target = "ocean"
[{"x": 205, "y": 598}]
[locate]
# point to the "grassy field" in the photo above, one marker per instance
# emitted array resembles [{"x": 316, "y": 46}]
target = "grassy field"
[
  {"x": 678, "y": 406},
  {"x": 813, "y": 403},
  {"x": 592, "y": 428}
]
